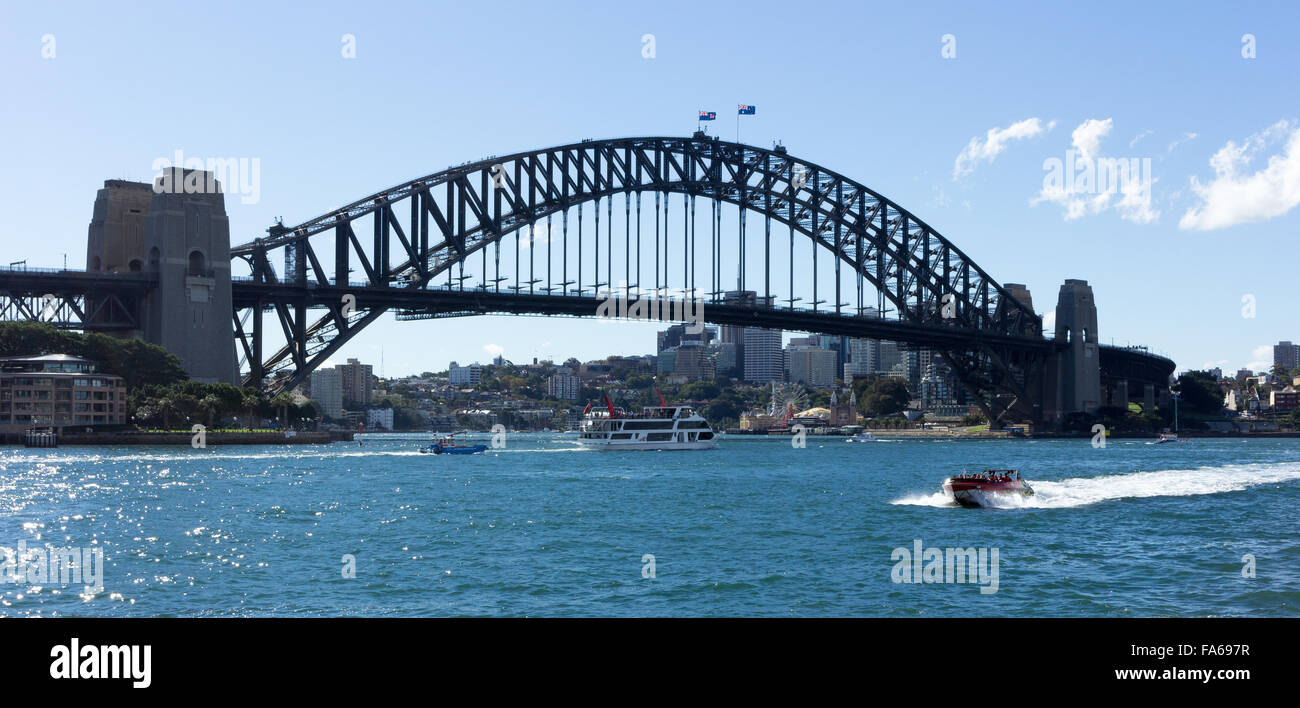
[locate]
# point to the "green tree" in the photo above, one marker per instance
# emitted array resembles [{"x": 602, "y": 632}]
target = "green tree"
[
  {"x": 252, "y": 403},
  {"x": 211, "y": 406},
  {"x": 137, "y": 361},
  {"x": 1201, "y": 392},
  {"x": 167, "y": 408},
  {"x": 882, "y": 396}
]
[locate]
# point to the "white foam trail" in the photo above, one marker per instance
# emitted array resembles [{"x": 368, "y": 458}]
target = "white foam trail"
[
  {"x": 1079, "y": 491},
  {"x": 936, "y": 499}
]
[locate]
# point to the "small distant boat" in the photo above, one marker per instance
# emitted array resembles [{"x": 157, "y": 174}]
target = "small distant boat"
[
  {"x": 861, "y": 437},
  {"x": 1166, "y": 438},
  {"x": 972, "y": 490},
  {"x": 448, "y": 446}
]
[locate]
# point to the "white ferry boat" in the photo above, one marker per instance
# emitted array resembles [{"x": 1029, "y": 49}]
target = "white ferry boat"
[{"x": 663, "y": 427}]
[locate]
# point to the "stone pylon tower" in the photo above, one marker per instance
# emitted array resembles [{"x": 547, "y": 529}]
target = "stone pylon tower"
[
  {"x": 115, "y": 242},
  {"x": 1077, "y": 372},
  {"x": 187, "y": 244}
]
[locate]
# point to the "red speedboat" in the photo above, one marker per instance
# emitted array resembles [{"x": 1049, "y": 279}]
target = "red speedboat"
[{"x": 974, "y": 489}]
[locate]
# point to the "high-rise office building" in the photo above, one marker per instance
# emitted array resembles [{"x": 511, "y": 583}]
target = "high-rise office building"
[
  {"x": 327, "y": 390},
  {"x": 811, "y": 366},
  {"x": 358, "y": 388},
  {"x": 692, "y": 361},
  {"x": 735, "y": 334},
  {"x": 565, "y": 387},
  {"x": 864, "y": 356},
  {"x": 890, "y": 357},
  {"x": 464, "y": 375},
  {"x": 679, "y": 334},
  {"x": 763, "y": 361},
  {"x": 1286, "y": 355}
]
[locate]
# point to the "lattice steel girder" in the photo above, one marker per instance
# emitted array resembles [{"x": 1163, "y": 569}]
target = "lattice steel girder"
[
  {"x": 476, "y": 204},
  {"x": 74, "y": 299},
  {"x": 566, "y": 175}
]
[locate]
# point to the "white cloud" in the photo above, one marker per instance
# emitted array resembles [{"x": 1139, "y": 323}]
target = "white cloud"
[
  {"x": 494, "y": 350},
  {"x": 994, "y": 142},
  {"x": 1139, "y": 137},
  {"x": 1086, "y": 182},
  {"x": 1234, "y": 197},
  {"x": 1135, "y": 202},
  {"x": 1088, "y": 136},
  {"x": 1261, "y": 358},
  {"x": 1049, "y": 324},
  {"x": 1187, "y": 137}
]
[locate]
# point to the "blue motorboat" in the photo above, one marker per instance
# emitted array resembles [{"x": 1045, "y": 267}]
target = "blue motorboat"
[{"x": 448, "y": 446}]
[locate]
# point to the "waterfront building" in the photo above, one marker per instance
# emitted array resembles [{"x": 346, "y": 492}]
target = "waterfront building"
[
  {"x": 327, "y": 390},
  {"x": 565, "y": 387},
  {"x": 1288, "y": 399},
  {"x": 58, "y": 390},
  {"x": 464, "y": 375},
  {"x": 844, "y": 413},
  {"x": 379, "y": 418},
  {"x": 357, "y": 382},
  {"x": 756, "y": 420}
]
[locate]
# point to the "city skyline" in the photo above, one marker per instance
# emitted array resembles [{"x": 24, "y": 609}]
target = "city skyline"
[{"x": 982, "y": 175}]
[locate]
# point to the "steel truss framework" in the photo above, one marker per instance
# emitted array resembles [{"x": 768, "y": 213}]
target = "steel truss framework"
[
  {"x": 74, "y": 299},
  {"x": 469, "y": 210}
]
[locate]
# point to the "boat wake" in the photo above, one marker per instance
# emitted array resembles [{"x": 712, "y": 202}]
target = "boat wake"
[{"x": 1081, "y": 491}]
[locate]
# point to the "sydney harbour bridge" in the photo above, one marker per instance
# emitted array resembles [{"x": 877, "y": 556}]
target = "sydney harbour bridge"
[{"x": 808, "y": 249}]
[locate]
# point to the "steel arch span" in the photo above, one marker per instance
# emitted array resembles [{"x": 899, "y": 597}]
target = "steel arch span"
[{"x": 416, "y": 265}]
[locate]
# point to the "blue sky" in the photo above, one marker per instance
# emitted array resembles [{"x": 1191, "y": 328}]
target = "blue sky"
[{"x": 862, "y": 89}]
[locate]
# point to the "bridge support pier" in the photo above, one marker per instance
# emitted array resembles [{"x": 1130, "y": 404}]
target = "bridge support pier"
[
  {"x": 1073, "y": 381},
  {"x": 187, "y": 244},
  {"x": 1117, "y": 394}
]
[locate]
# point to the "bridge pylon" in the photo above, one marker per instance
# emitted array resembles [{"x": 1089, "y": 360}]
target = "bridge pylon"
[
  {"x": 1073, "y": 382},
  {"x": 176, "y": 231}
]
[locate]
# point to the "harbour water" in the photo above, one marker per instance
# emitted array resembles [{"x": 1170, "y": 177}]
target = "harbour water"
[{"x": 755, "y": 527}]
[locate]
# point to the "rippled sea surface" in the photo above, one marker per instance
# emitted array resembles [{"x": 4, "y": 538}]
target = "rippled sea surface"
[{"x": 755, "y": 527}]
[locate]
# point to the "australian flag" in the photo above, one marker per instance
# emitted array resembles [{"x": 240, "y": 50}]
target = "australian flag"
[
  {"x": 708, "y": 115},
  {"x": 746, "y": 110}
]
